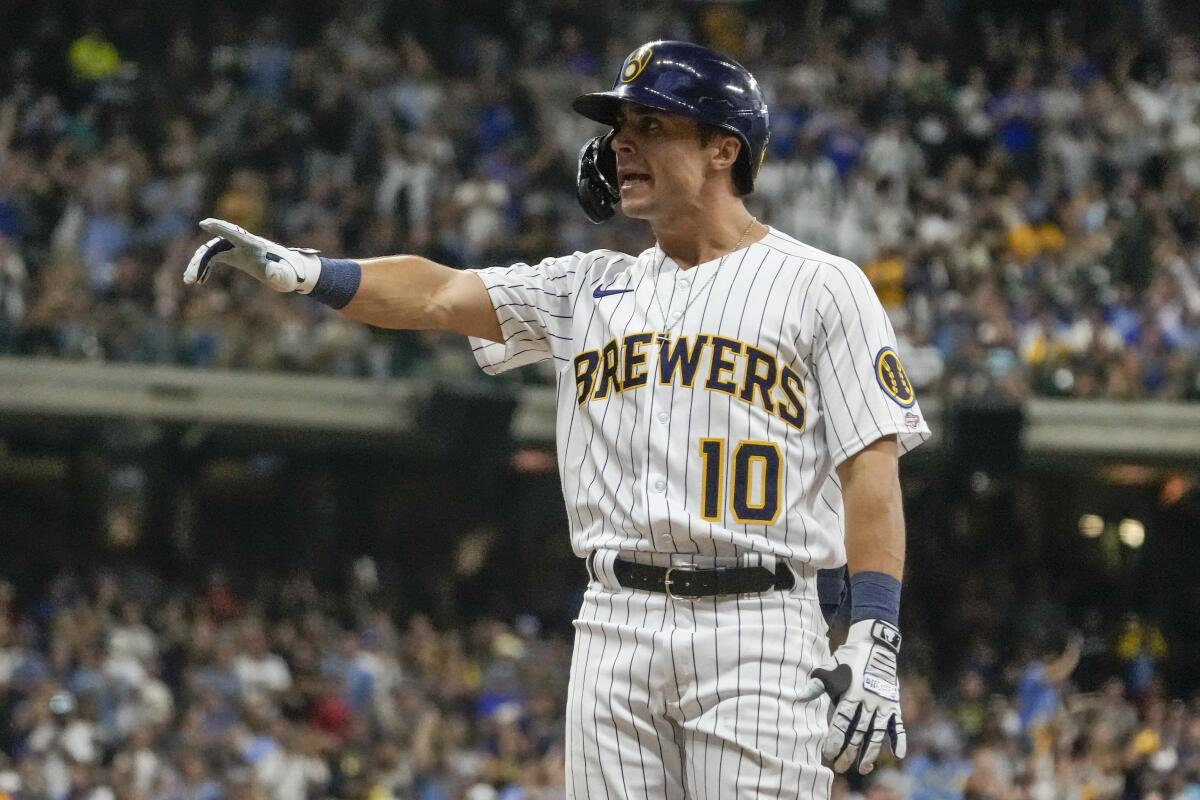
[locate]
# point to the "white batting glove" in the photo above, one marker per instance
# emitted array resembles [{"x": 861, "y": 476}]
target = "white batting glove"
[
  {"x": 284, "y": 269},
  {"x": 861, "y": 680}
]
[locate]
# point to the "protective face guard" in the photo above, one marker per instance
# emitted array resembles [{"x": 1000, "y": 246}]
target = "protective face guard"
[{"x": 596, "y": 181}]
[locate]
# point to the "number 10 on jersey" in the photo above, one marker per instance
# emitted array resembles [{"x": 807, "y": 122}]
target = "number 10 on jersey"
[{"x": 755, "y": 480}]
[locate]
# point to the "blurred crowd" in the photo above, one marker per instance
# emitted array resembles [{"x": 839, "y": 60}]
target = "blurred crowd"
[
  {"x": 1023, "y": 189},
  {"x": 122, "y": 685},
  {"x": 128, "y": 689}
]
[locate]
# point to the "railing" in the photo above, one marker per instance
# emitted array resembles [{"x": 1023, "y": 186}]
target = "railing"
[{"x": 32, "y": 389}]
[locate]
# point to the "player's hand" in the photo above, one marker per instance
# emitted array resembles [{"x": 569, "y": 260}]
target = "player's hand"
[
  {"x": 861, "y": 680},
  {"x": 284, "y": 269}
]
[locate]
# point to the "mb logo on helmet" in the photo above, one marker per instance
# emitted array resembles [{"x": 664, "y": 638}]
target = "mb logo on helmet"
[{"x": 636, "y": 62}]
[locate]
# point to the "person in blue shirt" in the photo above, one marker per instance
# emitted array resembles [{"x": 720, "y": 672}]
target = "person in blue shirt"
[{"x": 1041, "y": 682}]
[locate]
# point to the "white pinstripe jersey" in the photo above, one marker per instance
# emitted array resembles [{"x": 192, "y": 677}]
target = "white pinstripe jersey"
[{"x": 705, "y": 410}]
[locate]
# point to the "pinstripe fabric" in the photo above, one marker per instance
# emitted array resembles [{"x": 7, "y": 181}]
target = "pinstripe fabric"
[
  {"x": 630, "y": 460},
  {"x": 697, "y": 699},
  {"x": 774, "y": 355}
]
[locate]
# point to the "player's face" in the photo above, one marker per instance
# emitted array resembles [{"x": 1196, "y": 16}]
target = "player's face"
[{"x": 662, "y": 166}]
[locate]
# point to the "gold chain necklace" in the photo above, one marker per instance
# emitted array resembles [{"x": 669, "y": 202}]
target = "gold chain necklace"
[{"x": 683, "y": 312}]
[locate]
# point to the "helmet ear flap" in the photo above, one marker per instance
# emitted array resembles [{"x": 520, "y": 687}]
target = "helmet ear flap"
[
  {"x": 745, "y": 169},
  {"x": 596, "y": 181}
]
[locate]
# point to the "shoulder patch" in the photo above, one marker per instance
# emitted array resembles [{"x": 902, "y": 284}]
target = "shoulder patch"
[{"x": 893, "y": 379}]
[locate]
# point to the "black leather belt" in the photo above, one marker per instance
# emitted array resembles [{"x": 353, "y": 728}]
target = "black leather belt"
[{"x": 688, "y": 584}]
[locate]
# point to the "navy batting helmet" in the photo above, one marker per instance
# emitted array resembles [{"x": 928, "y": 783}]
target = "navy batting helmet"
[{"x": 679, "y": 78}]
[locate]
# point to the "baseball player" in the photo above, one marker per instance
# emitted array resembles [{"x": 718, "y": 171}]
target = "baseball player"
[{"x": 731, "y": 408}]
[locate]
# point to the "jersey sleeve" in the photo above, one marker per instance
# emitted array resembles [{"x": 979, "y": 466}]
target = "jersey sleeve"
[
  {"x": 533, "y": 305},
  {"x": 865, "y": 393}
]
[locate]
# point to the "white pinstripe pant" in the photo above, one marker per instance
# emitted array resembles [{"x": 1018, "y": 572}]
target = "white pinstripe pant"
[{"x": 695, "y": 699}]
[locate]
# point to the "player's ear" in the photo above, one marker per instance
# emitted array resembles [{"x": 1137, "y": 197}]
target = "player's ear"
[{"x": 727, "y": 149}]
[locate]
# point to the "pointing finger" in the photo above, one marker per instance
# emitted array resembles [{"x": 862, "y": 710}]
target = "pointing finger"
[{"x": 227, "y": 230}]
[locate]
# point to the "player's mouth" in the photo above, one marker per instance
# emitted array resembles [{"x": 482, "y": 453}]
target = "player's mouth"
[{"x": 631, "y": 179}]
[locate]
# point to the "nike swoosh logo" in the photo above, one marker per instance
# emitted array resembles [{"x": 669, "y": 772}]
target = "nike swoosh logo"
[{"x": 598, "y": 292}]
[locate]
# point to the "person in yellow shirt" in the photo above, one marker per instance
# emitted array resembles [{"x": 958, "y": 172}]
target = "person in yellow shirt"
[
  {"x": 92, "y": 57},
  {"x": 886, "y": 272}
]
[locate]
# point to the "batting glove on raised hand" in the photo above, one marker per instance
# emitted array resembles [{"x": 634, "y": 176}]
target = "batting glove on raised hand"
[
  {"x": 284, "y": 269},
  {"x": 862, "y": 683}
]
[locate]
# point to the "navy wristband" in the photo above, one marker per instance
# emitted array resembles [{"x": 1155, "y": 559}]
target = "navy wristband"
[
  {"x": 337, "y": 283},
  {"x": 874, "y": 595}
]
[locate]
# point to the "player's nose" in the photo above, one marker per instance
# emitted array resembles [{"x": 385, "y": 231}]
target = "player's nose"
[{"x": 622, "y": 141}]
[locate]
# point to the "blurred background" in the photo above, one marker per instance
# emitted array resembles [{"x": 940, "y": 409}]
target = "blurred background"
[{"x": 249, "y": 550}]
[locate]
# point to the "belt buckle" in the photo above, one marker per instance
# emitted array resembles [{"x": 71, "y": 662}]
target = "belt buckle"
[{"x": 667, "y": 587}]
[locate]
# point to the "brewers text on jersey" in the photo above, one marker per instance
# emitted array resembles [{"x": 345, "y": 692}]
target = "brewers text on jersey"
[{"x": 729, "y": 366}]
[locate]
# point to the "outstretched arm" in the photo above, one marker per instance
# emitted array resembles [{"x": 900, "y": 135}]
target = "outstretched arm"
[
  {"x": 406, "y": 292},
  {"x": 1058, "y": 670},
  {"x": 415, "y": 293}
]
